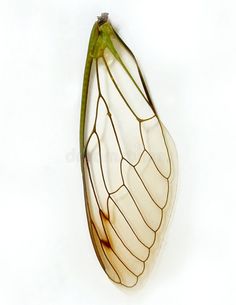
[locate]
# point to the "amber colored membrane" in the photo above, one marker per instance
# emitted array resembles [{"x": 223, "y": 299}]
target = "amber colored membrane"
[{"x": 127, "y": 158}]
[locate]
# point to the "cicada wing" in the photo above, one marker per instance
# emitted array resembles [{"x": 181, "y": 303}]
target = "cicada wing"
[{"x": 129, "y": 166}]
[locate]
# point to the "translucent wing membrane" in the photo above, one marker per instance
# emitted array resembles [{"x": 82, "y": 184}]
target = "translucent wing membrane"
[{"x": 127, "y": 162}]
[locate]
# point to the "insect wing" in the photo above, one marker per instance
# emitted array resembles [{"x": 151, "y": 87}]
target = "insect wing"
[{"x": 128, "y": 164}]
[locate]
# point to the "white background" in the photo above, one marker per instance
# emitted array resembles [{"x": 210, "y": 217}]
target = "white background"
[{"x": 187, "y": 50}]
